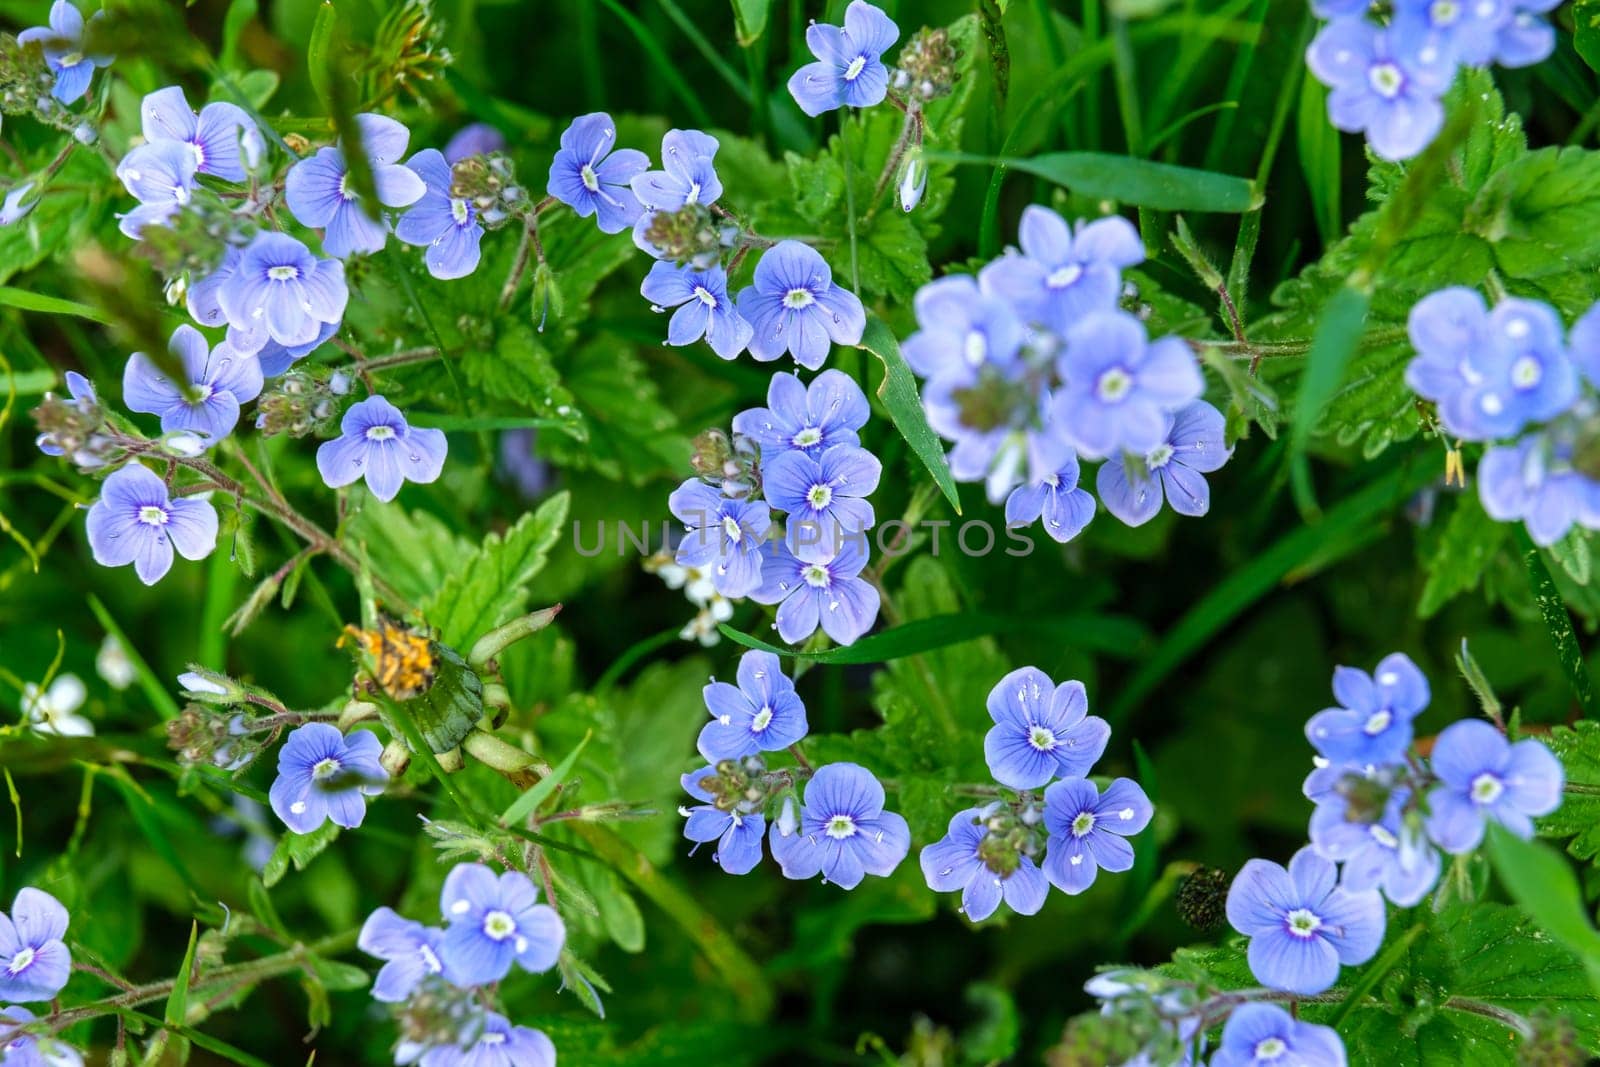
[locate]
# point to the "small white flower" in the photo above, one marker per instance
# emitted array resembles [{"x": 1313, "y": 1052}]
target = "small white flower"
[
  {"x": 52, "y": 712},
  {"x": 113, "y": 664}
]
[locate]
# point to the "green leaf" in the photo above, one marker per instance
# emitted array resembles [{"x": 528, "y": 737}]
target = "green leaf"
[
  {"x": 900, "y": 398},
  {"x": 1542, "y": 882},
  {"x": 1318, "y": 142},
  {"x": 319, "y": 53},
  {"x": 1572, "y": 552},
  {"x": 1558, "y": 621},
  {"x": 414, "y": 550},
  {"x": 1469, "y": 540},
  {"x": 50, "y": 305},
  {"x": 177, "y": 1009},
  {"x": 1578, "y": 818},
  {"x": 1331, "y": 348},
  {"x": 1586, "y": 31},
  {"x": 299, "y": 849},
  {"x": 1127, "y": 180},
  {"x": 749, "y": 20},
  {"x": 1113, "y": 635},
  {"x": 529, "y": 802},
  {"x": 491, "y": 586}
]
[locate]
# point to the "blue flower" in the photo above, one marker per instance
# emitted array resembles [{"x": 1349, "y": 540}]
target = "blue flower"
[
  {"x": 493, "y": 1042},
  {"x": 1468, "y": 30},
  {"x": 495, "y": 922},
  {"x": 1066, "y": 509},
  {"x": 689, "y": 176},
  {"x": 34, "y": 960},
  {"x": 809, "y": 419},
  {"x": 137, "y": 521},
  {"x": 794, "y": 307},
  {"x": 473, "y": 139},
  {"x": 956, "y": 861},
  {"x": 1371, "y": 727},
  {"x": 762, "y": 714},
  {"x": 323, "y": 774},
  {"x": 63, "y": 43},
  {"x": 1483, "y": 776},
  {"x": 1490, "y": 372},
  {"x": 377, "y": 443},
  {"x": 1064, "y": 275},
  {"x": 19, "y": 1048},
  {"x": 447, "y": 225},
  {"x": 1262, "y": 1035},
  {"x": 1526, "y": 39},
  {"x": 410, "y": 949},
  {"x": 823, "y": 495},
  {"x": 208, "y": 402},
  {"x": 1534, "y": 480},
  {"x": 999, "y": 420},
  {"x": 222, "y": 137},
  {"x": 591, "y": 179},
  {"x": 1391, "y": 854},
  {"x": 318, "y": 193},
  {"x": 849, "y": 71},
  {"x": 520, "y": 463},
  {"x": 1118, "y": 387},
  {"x": 1301, "y": 925},
  {"x": 724, "y": 535},
  {"x": 962, "y": 328},
  {"x": 1088, "y": 830},
  {"x": 822, "y": 592},
  {"x": 161, "y": 177},
  {"x": 704, "y": 307},
  {"x": 1172, "y": 471},
  {"x": 275, "y": 290},
  {"x": 844, "y": 832},
  {"x": 1042, "y": 730},
  {"x": 737, "y": 833},
  {"x": 1386, "y": 82}
]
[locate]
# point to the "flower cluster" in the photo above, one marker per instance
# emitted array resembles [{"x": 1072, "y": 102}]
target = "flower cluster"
[
  {"x": 1043, "y": 736},
  {"x": 1513, "y": 378},
  {"x": 838, "y": 828},
  {"x": 62, "y": 43},
  {"x": 442, "y": 981},
  {"x": 1382, "y": 815},
  {"x": 800, "y": 455},
  {"x": 35, "y": 964},
  {"x": 1386, "y": 80},
  {"x": 1032, "y": 366}
]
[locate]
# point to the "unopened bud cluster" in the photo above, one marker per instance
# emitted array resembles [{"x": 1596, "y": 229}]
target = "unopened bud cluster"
[
  {"x": 25, "y": 84},
  {"x": 74, "y": 427},
  {"x": 300, "y": 403},
  {"x": 489, "y": 184},
  {"x": 739, "y": 785},
  {"x": 927, "y": 67},
  {"x": 195, "y": 240},
  {"x": 1011, "y": 831},
  {"x": 732, "y": 464},
  {"x": 691, "y": 236}
]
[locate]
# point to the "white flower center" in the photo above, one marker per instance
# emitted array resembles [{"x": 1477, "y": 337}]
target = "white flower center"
[
  {"x": 1386, "y": 80},
  {"x": 1113, "y": 384},
  {"x": 283, "y": 274},
  {"x": 1486, "y": 788},
  {"x": 1383, "y": 837},
  {"x": 1083, "y": 824},
  {"x": 730, "y": 528},
  {"x": 153, "y": 515},
  {"x": 380, "y": 433},
  {"x": 761, "y": 721},
  {"x": 492, "y": 1039},
  {"x": 1378, "y": 722},
  {"x": 498, "y": 925},
  {"x": 1303, "y": 923},
  {"x": 693, "y": 196},
  {"x": 20, "y": 961},
  {"x": 1041, "y": 738},
  {"x": 1062, "y": 277},
  {"x": 1526, "y": 372},
  {"x": 795, "y": 299},
  {"x": 705, "y": 296},
  {"x": 816, "y": 575},
  {"x": 1444, "y": 12},
  {"x": 459, "y": 211},
  {"x": 819, "y": 496},
  {"x": 976, "y": 348},
  {"x": 430, "y": 959},
  {"x": 853, "y": 71},
  {"x": 1158, "y": 457},
  {"x": 1270, "y": 1049},
  {"x": 841, "y": 827},
  {"x": 591, "y": 180},
  {"x": 325, "y": 769},
  {"x": 808, "y": 437}
]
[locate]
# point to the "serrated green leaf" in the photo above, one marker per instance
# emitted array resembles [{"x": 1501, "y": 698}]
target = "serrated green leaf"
[
  {"x": 299, "y": 849},
  {"x": 1578, "y": 818},
  {"x": 1467, "y": 543},
  {"x": 491, "y": 586},
  {"x": 1543, "y": 884},
  {"x": 900, "y": 398}
]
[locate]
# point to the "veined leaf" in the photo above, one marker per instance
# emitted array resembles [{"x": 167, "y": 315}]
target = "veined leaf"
[{"x": 899, "y": 395}]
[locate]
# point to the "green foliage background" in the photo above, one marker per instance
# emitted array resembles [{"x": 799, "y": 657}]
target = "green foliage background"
[{"x": 1206, "y": 642}]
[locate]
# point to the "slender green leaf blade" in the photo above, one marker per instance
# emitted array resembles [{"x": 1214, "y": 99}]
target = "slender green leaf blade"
[
  {"x": 1128, "y": 180},
  {"x": 1338, "y": 333},
  {"x": 529, "y": 802},
  {"x": 899, "y": 395},
  {"x": 178, "y": 1000}
]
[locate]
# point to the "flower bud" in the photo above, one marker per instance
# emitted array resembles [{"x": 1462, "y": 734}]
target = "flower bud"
[
  {"x": 913, "y": 180},
  {"x": 788, "y": 820},
  {"x": 1202, "y": 898},
  {"x": 85, "y": 133},
  {"x": 210, "y": 687}
]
